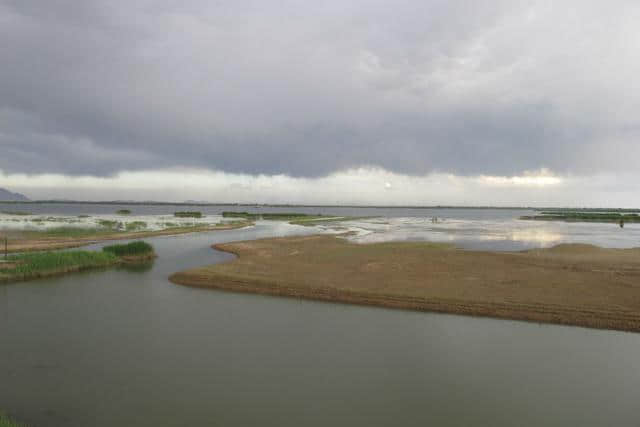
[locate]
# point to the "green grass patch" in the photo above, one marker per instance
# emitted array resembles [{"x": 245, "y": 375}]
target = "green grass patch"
[
  {"x": 129, "y": 249},
  {"x": 110, "y": 224},
  {"x": 188, "y": 214},
  {"x": 5, "y": 421},
  {"x": 71, "y": 232},
  {"x": 42, "y": 264},
  {"x": 123, "y": 212},
  {"x": 583, "y": 216},
  {"x": 20, "y": 213},
  {"x": 37, "y": 264},
  {"x": 135, "y": 225}
]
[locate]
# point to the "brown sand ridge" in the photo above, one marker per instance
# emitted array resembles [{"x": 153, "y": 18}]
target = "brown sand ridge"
[{"x": 579, "y": 285}]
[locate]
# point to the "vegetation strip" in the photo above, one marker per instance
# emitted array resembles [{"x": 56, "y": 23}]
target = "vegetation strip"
[
  {"x": 584, "y": 216},
  {"x": 6, "y": 421},
  {"x": 71, "y": 237},
  {"x": 570, "y": 284},
  {"x": 188, "y": 214},
  {"x": 291, "y": 217},
  {"x": 42, "y": 264}
]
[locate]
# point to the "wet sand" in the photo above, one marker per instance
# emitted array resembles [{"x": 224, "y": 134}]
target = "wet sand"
[{"x": 578, "y": 285}]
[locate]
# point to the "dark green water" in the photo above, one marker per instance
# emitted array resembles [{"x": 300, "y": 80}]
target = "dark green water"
[{"x": 128, "y": 348}]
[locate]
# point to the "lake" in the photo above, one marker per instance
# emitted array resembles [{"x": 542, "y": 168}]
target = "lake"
[{"x": 127, "y": 347}]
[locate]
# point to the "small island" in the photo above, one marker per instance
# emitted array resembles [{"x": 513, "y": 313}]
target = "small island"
[
  {"x": 188, "y": 214},
  {"x": 35, "y": 265},
  {"x": 580, "y": 285}
]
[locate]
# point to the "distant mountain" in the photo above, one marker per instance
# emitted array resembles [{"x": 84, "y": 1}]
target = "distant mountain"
[{"x": 6, "y": 195}]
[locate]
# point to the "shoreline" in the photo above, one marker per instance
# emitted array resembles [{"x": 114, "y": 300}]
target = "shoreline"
[
  {"x": 54, "y": 243},
  {"x": 576, "y": 285}
]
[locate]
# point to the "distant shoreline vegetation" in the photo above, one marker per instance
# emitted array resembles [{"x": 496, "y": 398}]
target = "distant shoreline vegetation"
[
  {"x": 282, "y": 216},
  {"x": 188, "y": 214},
  {"x": 18, "y": 213},
  {"x": 295, "y": 218},
  {"x": 600, "y": 215}
]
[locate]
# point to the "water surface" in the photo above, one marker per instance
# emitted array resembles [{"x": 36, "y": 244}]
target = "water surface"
[{"x": 121, "y": 347}]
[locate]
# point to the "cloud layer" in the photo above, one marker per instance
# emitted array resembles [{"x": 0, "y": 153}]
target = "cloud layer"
[
  {"x": 306, "y": 89},
  {"x": 361, "y": 186}
]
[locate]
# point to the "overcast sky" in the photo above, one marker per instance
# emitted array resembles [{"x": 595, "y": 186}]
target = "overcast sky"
[{"x": 403, "y": 102}]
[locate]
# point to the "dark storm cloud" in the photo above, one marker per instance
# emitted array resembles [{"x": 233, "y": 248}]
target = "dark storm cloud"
[{"x": 304, "y": 89}]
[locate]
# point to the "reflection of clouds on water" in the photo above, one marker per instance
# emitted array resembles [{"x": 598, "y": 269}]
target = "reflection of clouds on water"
[
  {"x": 486, "y": 229},
  {"x": 501, "y": 234}
]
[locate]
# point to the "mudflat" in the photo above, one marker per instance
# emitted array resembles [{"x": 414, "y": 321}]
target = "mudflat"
[{"x": 580, "y": 285}]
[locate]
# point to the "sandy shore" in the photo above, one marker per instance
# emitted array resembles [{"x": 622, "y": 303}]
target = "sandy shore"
[
  {"x": 28, "y": 242},
  {"x": 569, "y": 284}
]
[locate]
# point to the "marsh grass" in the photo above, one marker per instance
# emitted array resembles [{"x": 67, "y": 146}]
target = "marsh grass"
[
  {"x": 583, "y": 216},
  {"x": 5, "y": 421},
  {"x": 39, "y": 264},
  {"x": 123, "y": 212},
  {"x": 134, "y": 248},
  {"x": 107, "y": 223},
  {"x": 19, "y": 213},
  {"x": 135, "y": 225},
  {"x": 70, "y": 232},
  {"x": 188, "y": 214},
  {"x": 284, "y": 216},
  {"x": 292, "y": 217}
]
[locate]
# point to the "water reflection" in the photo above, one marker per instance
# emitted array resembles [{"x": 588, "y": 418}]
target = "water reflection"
[
  {"x": 141, "y": 267},
  {"x": 493, "y": 234}
]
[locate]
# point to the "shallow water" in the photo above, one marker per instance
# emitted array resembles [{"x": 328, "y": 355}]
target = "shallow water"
[
  {"x": 487, "y": 229},
  {"x": 120, "y": 347}
]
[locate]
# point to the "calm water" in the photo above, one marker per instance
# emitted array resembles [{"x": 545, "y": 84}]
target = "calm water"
[
  {"x": 121, "y": 347},
  {"x": 486, "y": 229}
]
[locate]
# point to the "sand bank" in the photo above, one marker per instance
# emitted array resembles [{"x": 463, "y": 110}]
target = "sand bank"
[{"x": 579, "y": 285}]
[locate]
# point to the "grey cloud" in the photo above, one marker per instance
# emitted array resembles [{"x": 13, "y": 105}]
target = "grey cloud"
[{"x": 304, "y": 89}]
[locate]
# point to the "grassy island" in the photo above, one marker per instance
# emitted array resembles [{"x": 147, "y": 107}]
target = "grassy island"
[
  {"x": 188, "y": 214},
  {"x": 43, "y": 264},
  {"x": 569, "y": 284},
  {"x": 124, "y": 212},
  {"x": 131, "y": 252}
]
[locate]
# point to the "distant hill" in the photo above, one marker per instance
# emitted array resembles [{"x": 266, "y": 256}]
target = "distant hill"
[{"x": 6, "y": 195}]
